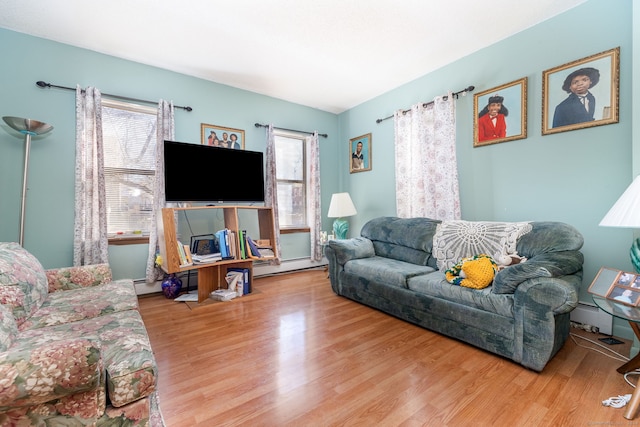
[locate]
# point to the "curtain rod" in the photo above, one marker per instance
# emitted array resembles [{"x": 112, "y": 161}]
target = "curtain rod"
[
  {"x": 456, "y": 94},
  {"x": 43, "y": 85},
  {"x": 258, "y": 125}
]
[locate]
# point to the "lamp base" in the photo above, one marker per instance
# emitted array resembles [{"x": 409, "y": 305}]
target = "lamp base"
[
  {"x": 634, "y": 253},
  {"x": 340, "y": 228}
]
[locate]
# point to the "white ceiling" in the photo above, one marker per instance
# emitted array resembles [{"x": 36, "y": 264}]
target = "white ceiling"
[{"x": 326, "y": 54}]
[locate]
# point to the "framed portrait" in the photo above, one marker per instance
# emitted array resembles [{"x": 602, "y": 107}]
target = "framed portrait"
[
  {"x": 360, "y": 153},
  {"x": 581, "y": 94},
  {"x": 500, "y": 114},
  {"x": 616, "y": 285},
  {"x": 219, "y": 136}
]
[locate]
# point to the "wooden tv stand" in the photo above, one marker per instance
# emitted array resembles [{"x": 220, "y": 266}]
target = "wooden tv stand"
[{"x": 212, "y": 276}]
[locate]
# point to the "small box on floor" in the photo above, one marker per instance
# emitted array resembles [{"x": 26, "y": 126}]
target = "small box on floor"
[{"x": 223, "y": 294}]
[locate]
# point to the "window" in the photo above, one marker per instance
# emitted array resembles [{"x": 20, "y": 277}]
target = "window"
[
  {"x": 129, "y": 133},
  {"x": 291, "y": 177}
]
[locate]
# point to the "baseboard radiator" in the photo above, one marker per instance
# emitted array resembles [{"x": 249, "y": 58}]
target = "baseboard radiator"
[
  {"x": 286, "y": 266},
  {"x": 586, "y": 314}
]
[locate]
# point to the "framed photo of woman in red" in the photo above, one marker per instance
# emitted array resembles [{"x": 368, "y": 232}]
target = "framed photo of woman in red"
[{"x": 500, "y": 114}]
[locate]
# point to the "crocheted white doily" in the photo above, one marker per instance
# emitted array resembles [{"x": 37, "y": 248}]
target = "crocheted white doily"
[{"x": 457, "y": 239}]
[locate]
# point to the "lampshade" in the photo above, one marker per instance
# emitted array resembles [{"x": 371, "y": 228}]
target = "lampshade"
[
  {"x": 626, "y": 211},
  {"x": 341, "y": 206}
]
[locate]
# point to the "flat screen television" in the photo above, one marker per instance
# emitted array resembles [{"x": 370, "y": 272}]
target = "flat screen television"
[{"x": 201, "y": 173}]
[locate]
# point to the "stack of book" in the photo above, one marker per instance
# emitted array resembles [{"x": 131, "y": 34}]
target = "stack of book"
[{"x": 184, "y": 253}]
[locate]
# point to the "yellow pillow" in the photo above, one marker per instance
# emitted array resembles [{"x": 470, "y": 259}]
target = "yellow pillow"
[{"x": 475, "y": 272}]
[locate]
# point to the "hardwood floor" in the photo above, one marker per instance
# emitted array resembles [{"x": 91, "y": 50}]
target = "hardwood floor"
[{"x": 294, "y": 354}]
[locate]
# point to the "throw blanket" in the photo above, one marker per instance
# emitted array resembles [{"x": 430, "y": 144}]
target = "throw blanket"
[{"x": 459, "y": 239}]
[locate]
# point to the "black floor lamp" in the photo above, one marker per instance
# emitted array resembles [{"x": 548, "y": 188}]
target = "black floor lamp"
[{"x": 28, "y": 128}]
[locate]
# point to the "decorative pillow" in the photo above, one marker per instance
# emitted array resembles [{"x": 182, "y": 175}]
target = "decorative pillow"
[
  {"x": 475, "y": 272},
  {"x": 8, "y": 327},
  {"x": 23, "y": 283},
  {"x": 457, "y": 239}
]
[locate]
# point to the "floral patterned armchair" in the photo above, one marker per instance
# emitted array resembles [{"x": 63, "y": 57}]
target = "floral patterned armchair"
[{"x": 73, "y": 347}]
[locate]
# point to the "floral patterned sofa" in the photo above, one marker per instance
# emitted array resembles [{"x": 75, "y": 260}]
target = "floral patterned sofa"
[{"x": 73, "y": 347}]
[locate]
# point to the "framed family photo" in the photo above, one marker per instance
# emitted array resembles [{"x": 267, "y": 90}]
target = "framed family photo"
[
  {"x": 500, "y": 114},
  {"x": 360, "y": 153},
  {"x": 580, "y": 94},
  {"x": 219, "y": 136},
  {"x": 620, "y": 286}
]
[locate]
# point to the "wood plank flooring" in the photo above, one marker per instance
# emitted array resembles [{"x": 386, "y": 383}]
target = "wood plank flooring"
[{"x": 293, "y": 353}]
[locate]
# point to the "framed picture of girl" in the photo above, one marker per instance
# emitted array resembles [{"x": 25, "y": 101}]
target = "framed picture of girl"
[{"x": 500, "y": 114}]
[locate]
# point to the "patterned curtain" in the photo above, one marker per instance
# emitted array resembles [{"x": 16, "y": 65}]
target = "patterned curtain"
[
  {"x": 90, "y": 244},
  {"x": 426, "y": 166},
  {"x": 271, "y": 187},
  {"x": 165, "y": 130},
  {"x": 313, "y": 196}
]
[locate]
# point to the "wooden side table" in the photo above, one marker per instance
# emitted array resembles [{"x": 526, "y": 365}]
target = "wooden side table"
[{"x": 631, "y": 315}]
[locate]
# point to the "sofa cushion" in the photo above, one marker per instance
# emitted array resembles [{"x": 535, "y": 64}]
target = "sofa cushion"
[
  {"x": 404, "y": 239},
  {"x": 8, "y": 327},
  {"x": 126, "y": 352},
  {"x": 457, "y": 239},
  {"x": 23, "y": 283},
  {"x": 385, "y": 270},
  {"x": 549, "y": 236},
  {"x": 67, "y": 278},
  {"x": 435, "y": 285},
  {"x": 44, "y": 370},
  {"x": 84, "y": 303}
]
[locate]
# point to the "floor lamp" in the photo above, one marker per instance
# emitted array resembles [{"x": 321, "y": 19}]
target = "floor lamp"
[{"x": 28, "y": 128}]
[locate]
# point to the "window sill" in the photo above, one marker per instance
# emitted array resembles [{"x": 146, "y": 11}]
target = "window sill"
[
  {"x": 295, "y": 230},
  {"x": 129, "y": 239}
]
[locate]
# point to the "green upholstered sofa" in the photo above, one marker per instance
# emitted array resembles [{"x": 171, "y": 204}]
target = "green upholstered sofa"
[
  {"x": 73, "y": 347},
  {"x": 398, "y": 266}
]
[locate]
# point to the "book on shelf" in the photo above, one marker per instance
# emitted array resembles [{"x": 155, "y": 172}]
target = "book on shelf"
[
  {"x": 243, "y": 249},
  {"x": 223, "y": 240},
  {"x": 187, "y": 253},
  {"x": 252, "y": 248},
  {"x": 206, "y": 259},
  {"x": 182, "y": 255}
]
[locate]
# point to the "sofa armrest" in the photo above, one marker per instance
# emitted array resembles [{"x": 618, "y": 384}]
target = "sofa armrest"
[
  {"x": 554, "y": 295},
  {"x": 67, "y": 278},
  {"x": 355, "y": 248},
  {"x": 31, "y": 375},
  {"x": 550, "y": 264},
  {"x": 339, "y": 252}
]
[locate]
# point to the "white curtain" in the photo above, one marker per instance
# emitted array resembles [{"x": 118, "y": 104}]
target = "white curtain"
[
  {"x": 313, "y": 196},
  {"x": 426, "y": 166},
  {"x": 90, "y": 244},
  {"x": 165, "y": 130},
  {"x": 271, "y": 187}
]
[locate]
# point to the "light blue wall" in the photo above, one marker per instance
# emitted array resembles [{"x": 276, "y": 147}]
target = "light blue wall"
[
  {"x": 573, "y": 177},
  {"x": 50, "y": 203}
]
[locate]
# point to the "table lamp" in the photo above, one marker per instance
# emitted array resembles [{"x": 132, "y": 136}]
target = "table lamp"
[
  {"x": 626, "y": 213},
  {"x": 341, "y": 206},
  {"x": 28, "y": 128}
]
